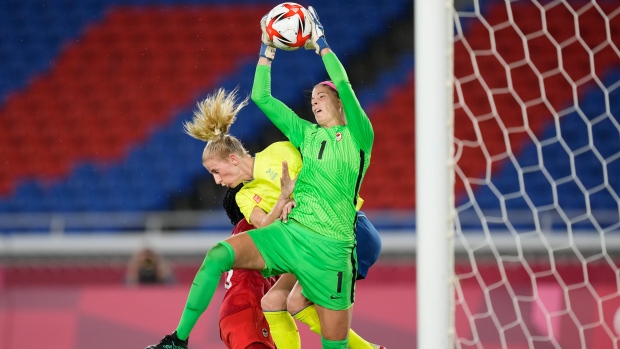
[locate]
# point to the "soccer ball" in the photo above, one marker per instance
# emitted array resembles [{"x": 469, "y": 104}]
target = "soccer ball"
[{"x": 288, "y": 26}]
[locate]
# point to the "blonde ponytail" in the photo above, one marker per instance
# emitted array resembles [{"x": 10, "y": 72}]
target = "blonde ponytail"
[
  {"x": 211, "y": 121},
  {"x": 214, "y": 115}
]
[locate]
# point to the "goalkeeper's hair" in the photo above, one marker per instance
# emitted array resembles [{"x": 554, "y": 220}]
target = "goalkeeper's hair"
[
  {"x": 211, "y": 121},
  {"x": 331, "y": 86},
  {"x": 230, "y": 205}
]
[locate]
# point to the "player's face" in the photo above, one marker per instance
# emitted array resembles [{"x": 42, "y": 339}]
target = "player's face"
[
  {"x": 326, "y": 107},
  {"x": 225, "y": 171}
]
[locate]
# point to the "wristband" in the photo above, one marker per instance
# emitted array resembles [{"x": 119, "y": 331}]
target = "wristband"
[{"x": 267, "y": 51}]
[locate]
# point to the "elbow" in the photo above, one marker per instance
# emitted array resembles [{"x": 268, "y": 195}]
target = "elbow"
[
  {"x": 255, "y": 96},
  {"x": 259, "y": 97}
]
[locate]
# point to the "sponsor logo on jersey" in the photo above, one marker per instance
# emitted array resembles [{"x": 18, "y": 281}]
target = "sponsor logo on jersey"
[
  {"x": 338, "y": 136},
  {"x": 257, "y": 198},
  {"x": 334, "y": 297}
]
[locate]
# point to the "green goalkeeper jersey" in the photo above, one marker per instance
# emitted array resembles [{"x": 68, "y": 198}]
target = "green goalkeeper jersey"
[{"x": 335, "y": 159}]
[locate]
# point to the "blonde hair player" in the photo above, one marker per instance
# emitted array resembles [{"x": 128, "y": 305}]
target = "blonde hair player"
[{"x": 317, "y": 244}]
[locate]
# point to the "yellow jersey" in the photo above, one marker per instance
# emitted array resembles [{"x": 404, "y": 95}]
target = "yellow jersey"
[{"x": 264, "y": 189}]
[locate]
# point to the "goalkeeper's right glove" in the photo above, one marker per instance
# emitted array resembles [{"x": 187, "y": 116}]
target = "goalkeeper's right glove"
[
  {"x": 317, "y": 38},
  {"x": 267, "y": 49}
]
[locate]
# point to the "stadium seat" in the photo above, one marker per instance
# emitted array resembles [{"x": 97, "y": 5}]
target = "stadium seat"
[{"x": 79, "y": 38}]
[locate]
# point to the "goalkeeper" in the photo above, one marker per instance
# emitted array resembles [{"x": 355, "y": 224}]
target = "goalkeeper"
[
  {"x": 326, "y": 152},
  {"x": 317, "y": 244}
]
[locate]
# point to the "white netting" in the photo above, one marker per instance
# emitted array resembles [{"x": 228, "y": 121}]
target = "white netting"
[{"x": 537, "y": 145}]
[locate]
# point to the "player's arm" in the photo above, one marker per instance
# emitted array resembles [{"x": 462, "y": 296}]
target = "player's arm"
[
  {"x": 282, "y": 116},
  {"x": 261, "y": 219},
  {"x": 357, "y": 120}
]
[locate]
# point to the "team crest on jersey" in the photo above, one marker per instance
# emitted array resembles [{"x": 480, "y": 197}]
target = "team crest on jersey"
[
  {"x": 265, "y": 332},
  {"x": 257, "y": 198},
  {"x": 338, "y": 136}
]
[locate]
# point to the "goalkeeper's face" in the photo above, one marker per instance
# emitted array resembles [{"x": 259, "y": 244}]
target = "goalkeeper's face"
[{"x": 326, "y": 107}]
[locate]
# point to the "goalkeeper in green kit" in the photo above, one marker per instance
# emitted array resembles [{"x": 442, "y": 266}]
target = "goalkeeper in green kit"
[{"x": 317, "y": 243}]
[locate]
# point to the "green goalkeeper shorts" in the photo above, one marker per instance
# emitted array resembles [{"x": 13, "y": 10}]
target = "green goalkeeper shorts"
[{"x": 326, "y": 268}]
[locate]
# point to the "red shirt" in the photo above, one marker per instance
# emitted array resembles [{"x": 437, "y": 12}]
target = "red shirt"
[{"x": 244, "y": 288}]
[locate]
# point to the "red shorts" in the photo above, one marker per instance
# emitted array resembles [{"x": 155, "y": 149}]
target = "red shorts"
[{"x": 248, "y": 326}]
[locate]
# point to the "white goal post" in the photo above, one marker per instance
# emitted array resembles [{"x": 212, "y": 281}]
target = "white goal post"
[
  {"x": 517, "y": 165},
  {"x": 434, "y": 172}
]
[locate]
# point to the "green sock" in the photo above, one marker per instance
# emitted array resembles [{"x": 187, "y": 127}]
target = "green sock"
[
  {"x": 218, "y": 260},
  {"x": 283, "y": 329},
  {"x": 342, "y": 344}
]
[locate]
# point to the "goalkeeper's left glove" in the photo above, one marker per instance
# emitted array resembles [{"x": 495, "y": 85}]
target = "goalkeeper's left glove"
[
  {"x": 317, "y": 38},
  {"x": 267, "y": 49}
]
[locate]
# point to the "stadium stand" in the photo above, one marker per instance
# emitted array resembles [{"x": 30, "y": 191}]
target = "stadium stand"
[
  {"x": 105, "y": 118},
  {"x": 91, "y": 113}
]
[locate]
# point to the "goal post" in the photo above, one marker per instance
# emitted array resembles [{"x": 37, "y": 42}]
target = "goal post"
[
  {"x": 517, "y": 165},
  {"x": 434, "y": 173}
]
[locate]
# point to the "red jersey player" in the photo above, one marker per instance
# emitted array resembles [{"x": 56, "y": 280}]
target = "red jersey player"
[{"x": 242, "y": 323}]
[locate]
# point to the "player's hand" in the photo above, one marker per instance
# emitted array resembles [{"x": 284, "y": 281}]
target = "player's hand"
[
  {"x": 287, "y": 209},
  {"x": 263, "y": 28},
  {"x": 287, "y": 185},
  {"x": 317, "y": 38},
  {"x": 267, "y": 49}
]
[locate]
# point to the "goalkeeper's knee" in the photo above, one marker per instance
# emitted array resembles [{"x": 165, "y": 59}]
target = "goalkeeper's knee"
[{"x": 219, "y": 260}]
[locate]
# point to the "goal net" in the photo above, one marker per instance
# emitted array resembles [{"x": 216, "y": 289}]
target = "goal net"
[{"x": 537, "y": 172}]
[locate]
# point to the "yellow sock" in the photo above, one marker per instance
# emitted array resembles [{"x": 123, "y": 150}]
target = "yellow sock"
[
  {"x": 283, "y": 329},
  {"x": 310, "y": 317}
]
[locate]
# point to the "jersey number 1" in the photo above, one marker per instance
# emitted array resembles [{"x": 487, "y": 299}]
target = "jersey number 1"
[{"x": 322, "y": 148}]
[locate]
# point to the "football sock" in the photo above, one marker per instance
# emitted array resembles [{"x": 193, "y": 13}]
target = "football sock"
[
  {"x": 310, "y": 317},
  {"x": 219, "y": 259},
  {"x": 283, "y": 329},
  {"x": 342, "y": 344}
]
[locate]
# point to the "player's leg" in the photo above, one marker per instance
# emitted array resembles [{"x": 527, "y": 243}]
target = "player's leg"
[
  {"x": 335, "y": 326},
  {"x": 333, "y": 262},
  {"x": 275, "y": 299},
  {"x": 218, "y": 260},
  {"x": 237, "y": 251},
  {"x": 314, "y": 257},
  {"x": 305, "y": 311},
  {"x": 297, "y": 302},
  {"x": 368, "y": 244},
  {"x": 246, "y": 329},
  {"x": 283, "y": 328}
]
